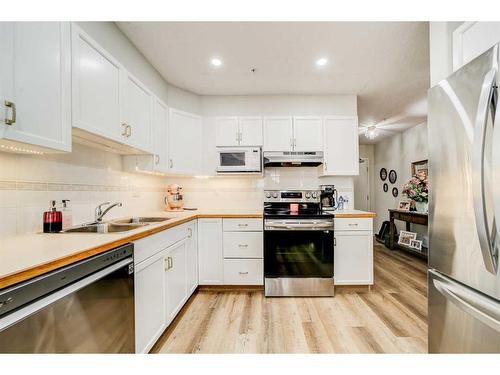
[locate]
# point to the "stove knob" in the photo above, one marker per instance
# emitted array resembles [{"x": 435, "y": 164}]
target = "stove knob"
[
  {"x": 268, "y": 194},
  {"x": 275, "y": 194},
  {"x": 315, "y": 195},
  {"x": 308, "y": 195}
]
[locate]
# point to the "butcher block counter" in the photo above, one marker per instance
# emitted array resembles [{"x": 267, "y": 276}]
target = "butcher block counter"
[
  {"x": 27, "y": 256},
  {"x": 31, "y": 255}
]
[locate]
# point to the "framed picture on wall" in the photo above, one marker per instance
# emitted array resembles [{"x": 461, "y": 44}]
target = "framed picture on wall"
[{"x": 420, "y": 166}]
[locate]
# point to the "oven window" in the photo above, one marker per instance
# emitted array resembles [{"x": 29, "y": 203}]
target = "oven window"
[
  {"x": 232, "y": 159},
  {"x": 298, "y": 253}
]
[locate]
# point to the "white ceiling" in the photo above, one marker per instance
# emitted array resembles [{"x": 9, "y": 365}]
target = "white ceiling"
[{"x": 385, "y": 63}]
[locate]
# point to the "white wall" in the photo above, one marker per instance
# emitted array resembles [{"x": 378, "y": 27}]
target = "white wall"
[
  {"x": 397, "y": 152},
  {"x": 441, "y": 49}
]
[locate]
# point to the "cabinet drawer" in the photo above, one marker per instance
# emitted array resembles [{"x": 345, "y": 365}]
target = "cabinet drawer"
[
  {"x": 243, "y": 272},
  {"x": 243, "y": 245},
  {"x": 248, "y": 225},
  {"x": 353, "y": 224},
  {"x": 149, "y": 246}
]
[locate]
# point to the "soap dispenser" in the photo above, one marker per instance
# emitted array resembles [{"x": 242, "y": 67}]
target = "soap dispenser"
[
  {"x": 67, "y": 217},
  {"x": 52, "y": 219}
]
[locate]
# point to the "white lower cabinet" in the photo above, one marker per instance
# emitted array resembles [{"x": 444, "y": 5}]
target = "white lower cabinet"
[
  {"x": 150, "y": 304},
  {"x": 176, "y": 278},
  {"x": 210, "y": 253},
  {"x": 192, "y": 257},
  {"x": 353, "y": 254},
  {"x": 165, "y": 277}
]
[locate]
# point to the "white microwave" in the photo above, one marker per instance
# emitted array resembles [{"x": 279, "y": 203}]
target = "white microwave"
[{"x": 239, "y": 159}]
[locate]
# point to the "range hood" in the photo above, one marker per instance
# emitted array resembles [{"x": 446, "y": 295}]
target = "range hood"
[{"x": 293, "y": 158}]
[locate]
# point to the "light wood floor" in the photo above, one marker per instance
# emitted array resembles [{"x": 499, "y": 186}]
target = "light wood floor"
[{"x": 391, "y": 318}]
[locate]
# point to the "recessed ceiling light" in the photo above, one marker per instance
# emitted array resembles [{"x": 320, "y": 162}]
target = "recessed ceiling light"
[
  {"x": 322, "y": 61},
  {"x": 216, "y": 62}
]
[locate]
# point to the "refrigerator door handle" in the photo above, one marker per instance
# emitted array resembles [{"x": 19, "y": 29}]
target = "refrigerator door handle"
[
  {"x": 487, "y": 244},
  {"x": 481, "y": 308}
]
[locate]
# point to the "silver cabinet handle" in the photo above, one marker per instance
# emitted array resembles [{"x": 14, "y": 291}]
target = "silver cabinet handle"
[
  {"x": 243, "y": 245},
  {"x": 166, "y": 264},
  {"x": 486, "y": 240},
  {"x": 334, "y": 241},
  {"x": 243, "y": 225},
  {"x": 243, "y": 273},
  {"x": 190, "y": 233},
  {"x": 353, "y": 224},
  {"x": 170, "y": 262},
  {"x": 479, "y": 307},
  {"x": 157, "y": 159},
  {"x": 12, "y": 106},
  {"x": 124, "y": 127},
  {"x": 129, "y": 130},
  {"x": 171, "y": 163}
]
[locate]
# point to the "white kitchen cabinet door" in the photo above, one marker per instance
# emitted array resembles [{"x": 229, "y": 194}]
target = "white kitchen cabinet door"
[
  {"x": 353, "y": 258},
  {"x": 227, "y": 132},
  {"x": 250, "y": 131},
  {"x": 210, "y": 253},
  {"x": 308, "y": 133},
  {"x": 160, "y": 134},
  {"x": 96, "y": 88},
  {"x": 184, "y": 142},
  {"x": 192, "y": 257},
  {"x": 137, "y": 112},
  {"x": 176, "y": 280},
  {"x": 278, "y": 134},
  {"x": 35, "y": 81},
  {"x": 150, "y": 303},
  {"x": 471, "y": 39},
  {"x": 341, "y": 146}
]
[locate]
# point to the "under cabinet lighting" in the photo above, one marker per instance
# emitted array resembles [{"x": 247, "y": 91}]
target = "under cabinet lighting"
[{"x": 20, "y": 149}]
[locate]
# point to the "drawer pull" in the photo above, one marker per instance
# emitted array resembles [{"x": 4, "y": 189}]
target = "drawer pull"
[
  {"x": 353, "y": 224},
  {"x": 243, "y": 273},
  {"x": 243, "y": 225},
  {"x": 242, "y": 245}
]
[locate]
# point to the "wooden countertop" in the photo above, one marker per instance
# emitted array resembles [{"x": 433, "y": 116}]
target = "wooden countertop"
[
  {"x": 28, "y": 256},
  {"x": 354, "y": 214}
]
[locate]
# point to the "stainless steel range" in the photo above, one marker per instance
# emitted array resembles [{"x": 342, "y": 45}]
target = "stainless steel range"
[{"x": 298, "y": 244}]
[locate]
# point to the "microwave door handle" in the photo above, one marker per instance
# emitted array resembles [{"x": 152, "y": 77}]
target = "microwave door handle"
[{"x": 485, "y": 102}]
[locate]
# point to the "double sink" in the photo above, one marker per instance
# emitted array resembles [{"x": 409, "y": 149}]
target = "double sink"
[{"x": 116, "y": 226}]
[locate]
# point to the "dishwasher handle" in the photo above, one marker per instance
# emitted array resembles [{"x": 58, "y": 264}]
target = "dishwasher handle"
[{"x": 33, "y": 307}]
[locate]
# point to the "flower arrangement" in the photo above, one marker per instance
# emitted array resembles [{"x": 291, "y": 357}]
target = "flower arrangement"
[{"x": 416, "y": 189}]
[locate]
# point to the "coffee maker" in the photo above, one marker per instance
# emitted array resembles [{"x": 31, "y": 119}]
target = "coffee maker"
[{"x": 328, "y": 197}]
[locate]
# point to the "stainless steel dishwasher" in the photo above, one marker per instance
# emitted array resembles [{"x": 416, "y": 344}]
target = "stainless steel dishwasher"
[{"x": 86, "y": 307}]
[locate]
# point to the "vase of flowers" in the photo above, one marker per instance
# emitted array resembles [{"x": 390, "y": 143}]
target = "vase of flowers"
[{"x": 418, "y": 191}]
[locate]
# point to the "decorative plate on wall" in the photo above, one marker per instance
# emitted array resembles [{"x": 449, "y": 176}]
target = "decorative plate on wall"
[
  {"x": 386, "y": 187},
  {"x": 383, "y": 174},
  {"x": 393, "y": 176},
  {"x": 395, "y": 192}
]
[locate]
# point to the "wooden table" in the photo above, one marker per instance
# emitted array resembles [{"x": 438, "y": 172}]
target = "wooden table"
[{"x": 408, "y": 217}]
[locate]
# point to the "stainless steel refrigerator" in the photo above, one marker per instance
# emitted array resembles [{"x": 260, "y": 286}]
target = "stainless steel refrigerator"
[{"x": 464, "y": 162}]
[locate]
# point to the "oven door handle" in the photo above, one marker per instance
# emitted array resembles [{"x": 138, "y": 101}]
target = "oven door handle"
[{"x": 318, "y": 226}]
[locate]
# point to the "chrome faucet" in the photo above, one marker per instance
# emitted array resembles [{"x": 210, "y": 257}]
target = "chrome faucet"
[{"x": 99, "y": 213}]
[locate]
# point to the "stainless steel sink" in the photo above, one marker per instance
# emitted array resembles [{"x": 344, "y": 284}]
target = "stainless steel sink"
[
  {"x": 140, "y": 219},
  {"x": 104, "y": 228}
]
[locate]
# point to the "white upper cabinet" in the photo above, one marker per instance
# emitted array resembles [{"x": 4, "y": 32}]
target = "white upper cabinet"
[
  {"x": 238, "y": 131},
  {"x": 227, "y": 131},
  {"x": 96, "y": 88},
  {"x": 35, "y": 86},
  {"x": 471, "y": 39},
  {"x": 341, "y": 146},
  {"x": 136, "y": 112},
  {"x": 110, "y": 106},
  {"x": 308, "y": 133},
  {"x": 278, "y": 133},
  {"x": 184, "y": 142},
  {"x": 250, "y": 131}
]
